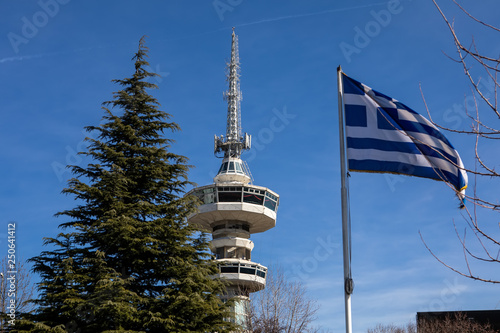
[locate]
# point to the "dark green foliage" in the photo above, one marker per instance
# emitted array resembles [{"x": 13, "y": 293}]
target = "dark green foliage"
[{"x": 127, "y": 261}]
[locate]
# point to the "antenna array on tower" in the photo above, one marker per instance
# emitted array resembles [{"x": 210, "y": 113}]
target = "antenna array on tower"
[{"x": 234, "y": 142}]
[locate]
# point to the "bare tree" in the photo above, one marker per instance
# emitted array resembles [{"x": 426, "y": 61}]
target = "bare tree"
[
  {"x": 456, "y": 323},
  {"x": 482, "y": 245},
  {"x": 282, "y": 307},
  {"x": 410, "y": 328},
  {"x": 459, "y": 322},
  {"x": 16, "y": 287}
]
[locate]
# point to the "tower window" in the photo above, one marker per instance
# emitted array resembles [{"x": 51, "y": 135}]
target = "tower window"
[
  {"x": 219, "y": 253},
  {"x": 230, "y": 197},
  {"x": 238, "y": 168},
  {"x": 246, "y": 270},
  {"x": 269, "y": 203},
  {"x": 229, "y": 269},
  {"x": 218, "y": 227},
  {"x": 223, "y": 167},
  {"x": 229, "y": 194},
  {"x": 253, "y": 198}
]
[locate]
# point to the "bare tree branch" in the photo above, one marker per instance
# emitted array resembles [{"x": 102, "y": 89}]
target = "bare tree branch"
[
  {"x": 282, "y": 307},
  {"x": 479, "y": 58},
  {"x": 467, "y": 275},
  {"x": 484, "y": 246},
  {"x": 23, "y": 290}
]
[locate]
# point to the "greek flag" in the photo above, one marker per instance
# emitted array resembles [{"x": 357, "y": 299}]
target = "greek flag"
[{"x": 384, "y": 135}]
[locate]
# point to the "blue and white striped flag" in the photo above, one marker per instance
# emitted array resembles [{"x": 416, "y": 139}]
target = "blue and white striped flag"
[{"x": 384, "y": 135}]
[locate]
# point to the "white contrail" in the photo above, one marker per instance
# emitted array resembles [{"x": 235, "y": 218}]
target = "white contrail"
[
  {"x": 20, "y": 58},
  {"x": 272, "y": 19},
  {"x": 310, "y": 14},
  {"x": 35, "y": 56}
]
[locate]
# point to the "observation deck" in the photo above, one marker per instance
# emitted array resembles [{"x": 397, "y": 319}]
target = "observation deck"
[
  {"x": 254, "y": 207},
  {"x": 249, "y": 275}
]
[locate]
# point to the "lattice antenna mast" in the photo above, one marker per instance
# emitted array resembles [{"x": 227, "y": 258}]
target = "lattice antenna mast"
[{"x": 234, "y": 142}]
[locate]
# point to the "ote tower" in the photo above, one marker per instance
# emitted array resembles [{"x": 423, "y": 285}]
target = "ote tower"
[{"x": 232, "y": 208}]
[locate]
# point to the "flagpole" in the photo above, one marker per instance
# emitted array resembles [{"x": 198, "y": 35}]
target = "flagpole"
[{"x": 346, "y": 239}]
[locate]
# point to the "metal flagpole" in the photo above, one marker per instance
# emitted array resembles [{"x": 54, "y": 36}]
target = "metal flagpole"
[{"x": 346, "y": 235}]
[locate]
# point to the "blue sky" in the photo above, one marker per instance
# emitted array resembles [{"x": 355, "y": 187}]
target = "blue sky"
[{"x": 57, "y": 59}]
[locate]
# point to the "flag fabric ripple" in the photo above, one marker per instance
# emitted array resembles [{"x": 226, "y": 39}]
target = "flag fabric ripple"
[{"x": 384, "y": 135}]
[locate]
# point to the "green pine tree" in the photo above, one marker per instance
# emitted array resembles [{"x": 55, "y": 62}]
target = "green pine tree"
[{"x": 126, "y": 260}]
